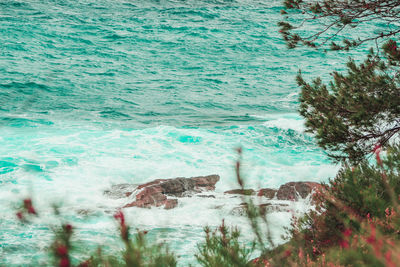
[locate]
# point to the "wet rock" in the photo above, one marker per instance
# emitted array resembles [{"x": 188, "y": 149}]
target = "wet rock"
[
  {"x": 206, "y": 182},
  {"x": 155, "y": 182},
  {"x": 267, "y": 192},
  {"x": 294, "y": 190},
  {"x": 155, "y": 192},
  {"x": 149, "y": 196},
  {"x": 170, "y": 204},
  {"x": 206, "y": 196},
  {"x": 263, "y": 208},
  {"x": 178, "y": 186},
  {"x": 246, "y": 192}
]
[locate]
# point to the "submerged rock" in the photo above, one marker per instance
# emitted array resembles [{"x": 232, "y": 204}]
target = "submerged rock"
[
  {"x": 206, "y": 196},
  {"x": 263, "y": 208},
  {"x": 154, "y": 193},
  {"x": 246, "y": 192},
  {"x": 290, "y": 191}
]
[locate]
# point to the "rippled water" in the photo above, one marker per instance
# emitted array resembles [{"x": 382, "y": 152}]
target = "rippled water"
[{"x": 95, "y": 93}]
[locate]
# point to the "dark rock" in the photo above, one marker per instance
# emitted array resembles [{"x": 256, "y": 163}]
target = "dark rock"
[
  {"x": 246, "y": 192},
  {"x": 155, "y": 192},
  {"x": 206, "y": 196},
  {"x": 178, "y": 186},
  {"x": 157, "y": 181},
  {"x": 294, "y": 190},
  {"x": 149, "y": 196},
  {"x": 170, "y": 204},
  {"x": 206, "y": 182},
  {"x": 267, "y": 192}
]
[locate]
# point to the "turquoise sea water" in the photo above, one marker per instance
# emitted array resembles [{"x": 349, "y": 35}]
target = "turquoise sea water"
[{"x": 95, "y": 93}]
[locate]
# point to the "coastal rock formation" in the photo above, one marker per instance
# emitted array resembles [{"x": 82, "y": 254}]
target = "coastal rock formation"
[
  {"x": 294, "y": 190},
  {"x": 164, "y": 192},
  {"x": 155, "y": 193},
  {"x": 267, "y": 192},
  {"x": 288, "y": 191}
]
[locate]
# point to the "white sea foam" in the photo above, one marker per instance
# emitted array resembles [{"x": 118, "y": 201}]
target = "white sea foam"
[
  {"x": 284, "y": 121},
  {"x": 61, "y": 164}
]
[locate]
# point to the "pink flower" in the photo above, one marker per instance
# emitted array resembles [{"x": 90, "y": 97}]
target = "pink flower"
[
  {"x": 62, "y": 250},
  {"x": 28, "y": 206},
  {"x": 372, "y": 238},
  {"x": 288, "y": 252},
  {"x": 377, "y": 151},
  {"x": 31, "y": 210},
  {"x": 347, "y": 232},
  {"x": 387, "y": 212},
  {"x": 64, "y": 262},
  {"x": 68, "y": 228},
  {"x": 19, "y": 215},
  {"x": 344, "y": 244},
  {"x": 119, "y": 216},
  {"x": 388, "y": 259},
  {"x": 27, "y": 202},
  {"x": 314, "y": 250}
]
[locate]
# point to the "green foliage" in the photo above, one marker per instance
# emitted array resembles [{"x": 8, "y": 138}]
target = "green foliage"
[
  {"x": 358, "y": 109},
  {"x": 222, "y": 248},
  {"x": 392, "y": 52},
  {"x": 358, "y": 198},
  {"x": 62, "y": 246},
  {"x": 334, "y": 16},
  {"x": 363, "y": 188},
  {"x": 138, "y": 253}
]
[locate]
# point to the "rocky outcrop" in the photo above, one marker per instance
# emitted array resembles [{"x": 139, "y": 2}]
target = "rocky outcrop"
[
  {"x": 267, "y": 192},
  {"x": 164, "y": 192},
  {"x": 246, "y": 192},
  {"x": 288, "y": 191},
  {"x": 156, "y": 193},
  {"x": 294, "y": 190}
]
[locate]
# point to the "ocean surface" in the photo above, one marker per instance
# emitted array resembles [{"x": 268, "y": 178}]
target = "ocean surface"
[{"x": 98, "y": 92}]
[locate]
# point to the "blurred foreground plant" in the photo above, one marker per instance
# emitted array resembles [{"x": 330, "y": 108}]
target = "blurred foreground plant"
[
  {"x": 137, "y": 253},
  {"x": 356, "y": 221},
  {"x": 222, "y": 248}
]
